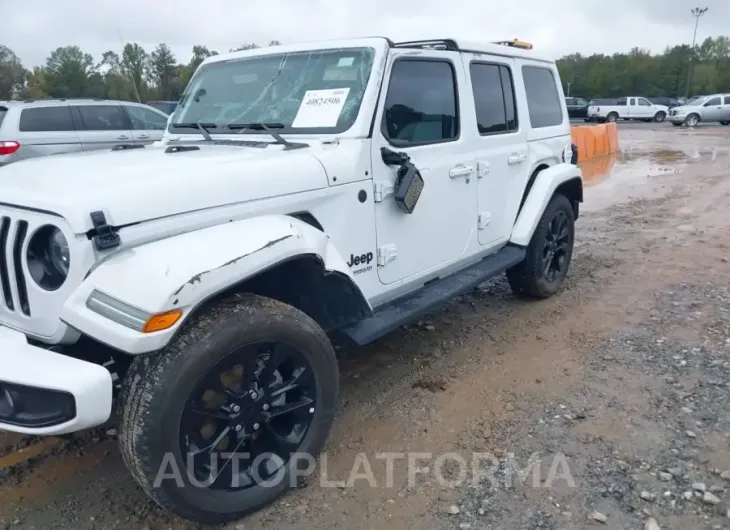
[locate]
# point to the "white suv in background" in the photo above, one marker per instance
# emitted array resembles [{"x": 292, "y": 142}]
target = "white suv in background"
[
  {"x": 341, "y": 187},
  {"x": 33, "y": 128}
]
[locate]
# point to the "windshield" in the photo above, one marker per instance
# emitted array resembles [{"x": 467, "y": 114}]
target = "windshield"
[
  {"x": 303, "y": 92},
  {"x": 697, "y": 100}
]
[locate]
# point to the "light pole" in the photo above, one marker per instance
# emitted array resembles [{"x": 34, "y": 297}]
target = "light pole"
[{"x": 697, "y": 12}]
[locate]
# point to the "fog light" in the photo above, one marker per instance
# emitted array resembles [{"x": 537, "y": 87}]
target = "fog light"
[{"x": 25, "y": 406}]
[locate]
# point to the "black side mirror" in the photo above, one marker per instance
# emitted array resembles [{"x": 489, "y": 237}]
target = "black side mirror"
[{"x": 408, "y": 183}]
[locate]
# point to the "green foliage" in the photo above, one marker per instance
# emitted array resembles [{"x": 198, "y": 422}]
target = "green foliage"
[
  {"x": 136, "y": 74},
  {"x": 641, "y": 73}
]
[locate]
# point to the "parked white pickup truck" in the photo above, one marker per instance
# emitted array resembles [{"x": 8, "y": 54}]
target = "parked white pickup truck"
[{"x": 630, "y": 108}]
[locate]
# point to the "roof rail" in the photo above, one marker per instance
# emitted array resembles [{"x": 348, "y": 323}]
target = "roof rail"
[
  {"x": 515, "y": 43},
  {"x": 437, "y": 44},
  {"x": 63, "y": 99}
]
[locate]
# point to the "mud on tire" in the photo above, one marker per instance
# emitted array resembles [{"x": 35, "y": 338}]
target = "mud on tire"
[
  {"x": 158, "y": 389},
  {"x": 551, "y": 244}
]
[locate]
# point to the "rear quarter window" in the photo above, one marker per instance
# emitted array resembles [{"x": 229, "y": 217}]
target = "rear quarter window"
[
  {"x": 543, "y": 101},
  {"x": 46, "y": 119},
  {"x": 3, "y": 112}
]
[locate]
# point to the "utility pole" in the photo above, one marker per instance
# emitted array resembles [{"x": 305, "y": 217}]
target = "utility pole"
[{"x": 697, "y": 12}]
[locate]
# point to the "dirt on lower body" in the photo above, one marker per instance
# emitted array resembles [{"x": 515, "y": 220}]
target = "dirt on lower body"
[{"x": 604, "y": 406}]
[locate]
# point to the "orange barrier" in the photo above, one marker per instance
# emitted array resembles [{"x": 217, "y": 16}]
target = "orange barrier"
[{"x": 595, "y": 140}]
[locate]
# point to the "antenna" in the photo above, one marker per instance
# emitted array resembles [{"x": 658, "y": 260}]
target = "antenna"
[{"x": 121, "y": 65}]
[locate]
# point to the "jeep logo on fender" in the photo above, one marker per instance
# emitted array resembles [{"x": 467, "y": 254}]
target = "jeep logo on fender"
[{"x": 363, "y": 259}]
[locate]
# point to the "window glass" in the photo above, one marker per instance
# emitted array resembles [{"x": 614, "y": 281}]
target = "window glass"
[
  {"x": 493, "y": 98},
  {"x": 103, "y": 117},
  {"x": 632, "y": 102},
  {"x": 421, "y": 105},
  {"x": 621, "y": 102},
  {"x": 644, "y": 103},
  {"x": 569, "y": 101},
  {"x": 145, "y": 119},
  {"x": 712, "y": 102},
  {"x": 727, "y": 102},
  {"x": 306, "y": 92},
  {"x": 3, "y": 112},
  {"x": 581, "y": 102},
  {"x": 46, "y": 119},
  {"x": 543, "y": 100}
]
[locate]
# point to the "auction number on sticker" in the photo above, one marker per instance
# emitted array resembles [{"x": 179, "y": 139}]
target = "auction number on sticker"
[{"x": 323, "y": 102}]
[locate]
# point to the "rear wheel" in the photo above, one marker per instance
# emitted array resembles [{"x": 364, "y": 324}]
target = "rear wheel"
[
  {"x": 216, "y": 425},
  {"x": 612, "y": 117},
  {"x": 546, "y": 264}
]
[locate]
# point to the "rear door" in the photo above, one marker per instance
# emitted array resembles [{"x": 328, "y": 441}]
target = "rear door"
[
  {"x": 102, "y": 126},
  {"x": 501, "y": 144},
  {"x": 45, "y": 130},
  {"x": 147, "y": 124}
]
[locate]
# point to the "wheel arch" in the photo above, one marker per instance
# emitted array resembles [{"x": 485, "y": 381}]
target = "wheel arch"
[
  {"x": 281, "y": 256},
  {"x": 561, "y": 178}
]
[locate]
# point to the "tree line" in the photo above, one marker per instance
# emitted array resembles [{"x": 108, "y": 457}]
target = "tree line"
[{"x": 138, "y": 75}]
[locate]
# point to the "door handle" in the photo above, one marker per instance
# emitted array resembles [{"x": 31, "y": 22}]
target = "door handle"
[
  {"x": 514, "y": 158},
  {"x": 122, "y": 137},
  {"x": 460, "y": 171},
  {"x": 144, "y": 135}
]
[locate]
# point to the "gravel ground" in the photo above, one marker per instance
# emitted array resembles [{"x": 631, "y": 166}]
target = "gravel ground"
[{"x": 616, "y": 386}]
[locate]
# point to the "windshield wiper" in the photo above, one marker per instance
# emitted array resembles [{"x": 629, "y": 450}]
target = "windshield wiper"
[
  {"x": 202, "y": 127},
  {"x": 260, "y": 126}
]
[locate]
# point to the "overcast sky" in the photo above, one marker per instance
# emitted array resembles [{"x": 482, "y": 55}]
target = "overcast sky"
[{"x": 34, "y": 27}]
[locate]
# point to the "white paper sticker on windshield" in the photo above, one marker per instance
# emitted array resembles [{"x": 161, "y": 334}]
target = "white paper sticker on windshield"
[
  {"x": 345, "y": 61},
  {"x": 321, "y": 108}
]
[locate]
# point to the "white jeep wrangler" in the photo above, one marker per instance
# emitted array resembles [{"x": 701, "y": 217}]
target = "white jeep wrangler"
[{"x": 300, "y": 191}]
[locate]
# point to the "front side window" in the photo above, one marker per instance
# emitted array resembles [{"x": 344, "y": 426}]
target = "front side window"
[
  {"x": 145, "y": 119},
  {"x": 493, "y": 98},
  {"x": 644, "y": 103},
  {"x": 713, "y": 102},
  {"x": 103, "y": 117},
  {"x": 543, "y": 101},
  {"x": 302, "y": 92},
  {"x": 46, "y": 119},
  {"x": 421, "y": 104}
]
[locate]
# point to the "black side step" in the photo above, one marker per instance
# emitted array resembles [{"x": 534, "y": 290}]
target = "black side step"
[{"x": 431, "y": 296}]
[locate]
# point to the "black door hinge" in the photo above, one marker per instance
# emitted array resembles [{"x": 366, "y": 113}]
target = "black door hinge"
[{"x": 104, "y": 235}]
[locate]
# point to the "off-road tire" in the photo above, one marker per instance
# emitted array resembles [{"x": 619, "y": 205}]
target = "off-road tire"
[
  {"x": 527, "y": 277},
  {"x": 157, "y": 387}
]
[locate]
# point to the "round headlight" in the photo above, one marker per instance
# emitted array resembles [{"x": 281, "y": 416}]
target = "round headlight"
[{"x": 49, "y": 257}]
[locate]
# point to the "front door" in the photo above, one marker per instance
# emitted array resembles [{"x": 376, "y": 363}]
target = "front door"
[
  {"x": 501, "y": 150},
  {"x": 419, "y": 115},
  {"x": 646, "y": 109},
  {"x": 712, "y": 109}
]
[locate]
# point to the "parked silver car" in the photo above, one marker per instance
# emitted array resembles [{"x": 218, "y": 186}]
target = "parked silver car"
[
  {"x": 706, "y": 109},
  {"x": 33, "y": 128}
]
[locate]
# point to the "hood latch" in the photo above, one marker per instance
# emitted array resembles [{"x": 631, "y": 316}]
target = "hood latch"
[{"x": 103, "y": 235}]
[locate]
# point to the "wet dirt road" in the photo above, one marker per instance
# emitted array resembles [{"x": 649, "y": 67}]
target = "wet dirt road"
[{"x": 622, "y": 375}]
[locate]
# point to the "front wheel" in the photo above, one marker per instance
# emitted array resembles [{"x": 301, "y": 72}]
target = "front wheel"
[
  {"x": 660, "y": 116},
  {"x": 692, "y": 120},
  {"x": 545, "y": 266},
  {"x": 220, "y": 422}
]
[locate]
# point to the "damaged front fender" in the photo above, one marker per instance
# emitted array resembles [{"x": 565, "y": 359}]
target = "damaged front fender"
[{"x": 182, "y": 271}]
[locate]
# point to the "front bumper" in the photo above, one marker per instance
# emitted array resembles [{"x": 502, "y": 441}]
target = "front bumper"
[{"x": 46, "y": 393}]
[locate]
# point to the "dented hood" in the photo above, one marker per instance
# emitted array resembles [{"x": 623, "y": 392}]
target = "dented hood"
[{"x": 136, "y": 185}]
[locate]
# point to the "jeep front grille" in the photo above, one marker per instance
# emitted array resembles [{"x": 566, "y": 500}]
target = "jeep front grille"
[{"x": 12, "y": 238}]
